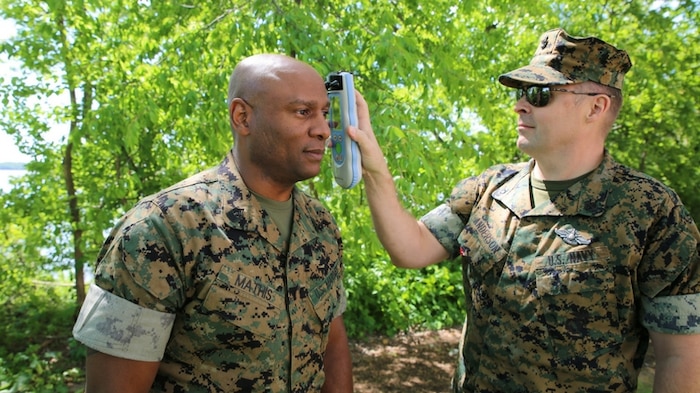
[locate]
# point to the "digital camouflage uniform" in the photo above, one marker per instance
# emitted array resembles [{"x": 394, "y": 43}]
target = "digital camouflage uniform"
[
  {"x": 560, "y": 297},
  {"x": 247, "y": 316}
]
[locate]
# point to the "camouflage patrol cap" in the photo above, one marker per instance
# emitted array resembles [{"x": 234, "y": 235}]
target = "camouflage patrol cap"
[{"x": 561, "y": 59}]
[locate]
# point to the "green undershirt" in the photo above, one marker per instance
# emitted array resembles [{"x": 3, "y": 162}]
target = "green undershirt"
[
  {"x": 542, "y": 191},
  {"x": 281, "y": 213}
]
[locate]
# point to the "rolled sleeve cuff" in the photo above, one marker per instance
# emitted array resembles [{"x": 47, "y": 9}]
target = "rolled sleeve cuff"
[
  {"x": 445, "y": 226},
  {"x": 672, "y": 314},
  {"x": 117, "y": 327}
]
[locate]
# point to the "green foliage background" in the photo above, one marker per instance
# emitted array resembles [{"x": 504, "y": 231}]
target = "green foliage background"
[{"x": 141, "y": 88}]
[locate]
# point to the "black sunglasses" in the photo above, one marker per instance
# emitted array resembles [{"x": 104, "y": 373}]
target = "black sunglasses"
[{"x": 539, "y": 96}]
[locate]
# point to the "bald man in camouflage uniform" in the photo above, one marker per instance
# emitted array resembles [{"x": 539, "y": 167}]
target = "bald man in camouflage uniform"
[
  {"x": 571, "y": 261},
  {"x": 230, "y": 281}
]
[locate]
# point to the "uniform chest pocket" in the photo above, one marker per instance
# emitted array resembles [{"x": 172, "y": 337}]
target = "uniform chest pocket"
[
  {"x": 254, "y": 307},
  {"x": 579, "y": 305},
  {"x": 325, "y": 300},
  {"x": 573, "y": 279}
]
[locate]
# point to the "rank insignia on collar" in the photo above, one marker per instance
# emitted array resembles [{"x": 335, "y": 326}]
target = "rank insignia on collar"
[{"x": 572, "y": 237}]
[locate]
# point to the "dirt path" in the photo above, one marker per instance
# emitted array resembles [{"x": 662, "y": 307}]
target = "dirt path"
[{"x": 416, "y": 362}]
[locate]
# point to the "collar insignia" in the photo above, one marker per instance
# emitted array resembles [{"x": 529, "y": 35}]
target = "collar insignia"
[{"x": 572, "y": 237}]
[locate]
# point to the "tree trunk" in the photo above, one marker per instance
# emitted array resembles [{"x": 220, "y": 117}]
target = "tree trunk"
[{"x": 75, "y": 220}]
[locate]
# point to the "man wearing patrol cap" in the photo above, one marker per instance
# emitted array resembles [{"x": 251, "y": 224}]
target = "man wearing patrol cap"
[{"x": 571, "y": 261}]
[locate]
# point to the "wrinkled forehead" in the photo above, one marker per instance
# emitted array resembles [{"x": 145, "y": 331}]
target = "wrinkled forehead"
[{"x": 290, "y": 86}]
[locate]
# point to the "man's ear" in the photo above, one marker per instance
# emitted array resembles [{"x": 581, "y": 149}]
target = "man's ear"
[
  {"x": 238, "y": 115},
  {"x": 600, "y": 107}
]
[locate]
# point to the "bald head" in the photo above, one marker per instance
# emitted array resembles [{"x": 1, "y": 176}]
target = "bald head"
[{"x": 255, "y": 75}]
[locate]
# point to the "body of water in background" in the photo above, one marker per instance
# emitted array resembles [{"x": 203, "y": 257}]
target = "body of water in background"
[
  {"x": 6, "y": 175},
  {"x": 5, "y": 186}
]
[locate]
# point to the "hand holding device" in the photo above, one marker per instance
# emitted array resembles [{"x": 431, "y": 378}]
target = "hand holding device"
[{"x": 346, "y": 160}]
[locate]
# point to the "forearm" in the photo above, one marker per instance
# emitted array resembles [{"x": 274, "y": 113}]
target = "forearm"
[
  {"x": 676, "y": 375},
  {"x": 388, "y": 216},
  {"x": 107, "y": 374},
  {"x": 677, "y": 362},
  {"x": 337, "y": 362},
  {"x": 408, "y": 242}
]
